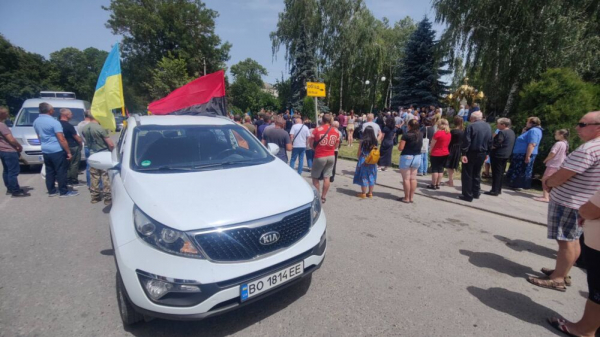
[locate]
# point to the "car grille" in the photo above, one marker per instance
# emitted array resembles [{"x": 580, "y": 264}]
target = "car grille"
[
  {"x": 33, "y": 153},
  {"x": 242, "y": 243},
  {"x": 33, "y": 141}
]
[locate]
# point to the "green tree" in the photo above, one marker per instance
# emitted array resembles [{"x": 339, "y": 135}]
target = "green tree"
[
  {"x": 152, "y": 29},
  {"x": 559, "y": 98},
  {"x": 23, "y": 75},
  {"x": 247, "y": 89},
  {"x": 250, "y": 70},
  {"x": 418, "y": 78},
  {"x": 169, "y": 74},
  {"x": 507, "y": 43},
  {"x": 78, "y": 70}
]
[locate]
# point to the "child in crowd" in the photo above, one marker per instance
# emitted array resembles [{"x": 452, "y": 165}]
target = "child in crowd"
[{"x": 555, "y": 158}]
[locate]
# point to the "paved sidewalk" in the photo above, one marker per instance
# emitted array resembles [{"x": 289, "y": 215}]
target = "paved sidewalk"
[{"x": 517, "y": 205}]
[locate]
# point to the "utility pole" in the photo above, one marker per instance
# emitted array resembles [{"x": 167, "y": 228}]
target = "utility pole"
[{"x": 204, "y": 60}]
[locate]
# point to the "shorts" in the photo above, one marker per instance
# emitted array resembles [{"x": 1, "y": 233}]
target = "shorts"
[
  {"x": 562, "y": 223},
  {"x": 592, "y": 261},
  {"x": 350, "y": 127},
  {"x": 322, "y": 166},
  {"x": 437, "y": 163},
  {"x": 410, "y": 161}
]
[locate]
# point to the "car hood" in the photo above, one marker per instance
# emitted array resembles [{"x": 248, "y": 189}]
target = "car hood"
[
  {"x": 23, "y": 132},
  {"x": 205, "y": 199}
]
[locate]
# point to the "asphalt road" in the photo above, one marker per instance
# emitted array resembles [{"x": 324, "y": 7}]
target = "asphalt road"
[{"x": 427, "y": 269}]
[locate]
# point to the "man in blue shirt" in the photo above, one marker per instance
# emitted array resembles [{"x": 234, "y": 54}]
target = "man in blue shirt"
[{"x": 55, "y": 150}]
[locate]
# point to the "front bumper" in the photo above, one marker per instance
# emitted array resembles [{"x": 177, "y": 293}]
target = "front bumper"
[
  {"x": 315, "y": 257},
  {"x": 32, "y": 155},
  {"x": 219, "y": 282}
]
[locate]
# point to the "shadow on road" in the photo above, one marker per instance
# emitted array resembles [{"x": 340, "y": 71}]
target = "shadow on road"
[
  {"x": 516, "y": 305},
  {"x": 522, "y": 245},
  {"x": 107, "y": 252},
  {"x": 347, "y": 191},
  {"x": 439, "y": 193},
  {"x": 228, "y": 323},
  {"x": 499, "y": 264},
  {"x": 385, "y": 195}
]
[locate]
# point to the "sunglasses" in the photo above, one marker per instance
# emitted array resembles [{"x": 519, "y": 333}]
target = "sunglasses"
[{"x": 583, "y": 125}]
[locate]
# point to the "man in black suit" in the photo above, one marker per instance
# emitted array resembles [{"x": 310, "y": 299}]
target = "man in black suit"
[
  {"x": 502, "y": 147},
  {"x": 476, "y": 144}
]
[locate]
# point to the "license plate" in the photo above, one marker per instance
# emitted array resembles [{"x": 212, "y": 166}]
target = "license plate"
[{"x": 254, "y": 288}]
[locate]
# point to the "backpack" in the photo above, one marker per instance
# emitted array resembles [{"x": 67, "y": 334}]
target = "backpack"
[{"x": 373, "y": 157}]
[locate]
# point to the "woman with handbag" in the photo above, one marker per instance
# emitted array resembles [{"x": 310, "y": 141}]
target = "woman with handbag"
[{"x": 365, "y": 174}]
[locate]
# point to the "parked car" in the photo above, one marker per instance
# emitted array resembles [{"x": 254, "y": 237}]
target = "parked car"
[
  {"x": 23, "y": 130},
  {"x": 205, "y": 218}
]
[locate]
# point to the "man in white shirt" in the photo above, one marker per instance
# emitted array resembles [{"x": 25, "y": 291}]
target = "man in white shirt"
[
  {"x": 298, "y": 134},
  {"x": 374, "y": 125},
  {"x": 463, "y": 113}
]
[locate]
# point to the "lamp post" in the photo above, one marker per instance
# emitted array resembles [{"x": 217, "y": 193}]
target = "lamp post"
[{"x": 367, "y": 82}]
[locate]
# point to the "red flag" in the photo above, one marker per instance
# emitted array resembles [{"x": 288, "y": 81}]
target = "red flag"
[{"x": 205, "y": 95}]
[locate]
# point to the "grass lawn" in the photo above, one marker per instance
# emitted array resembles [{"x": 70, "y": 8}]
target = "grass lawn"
[{"x": 350, "y": 152}]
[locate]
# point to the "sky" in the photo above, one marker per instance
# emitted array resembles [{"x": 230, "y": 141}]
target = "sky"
[{"x": 246, "y": 24}]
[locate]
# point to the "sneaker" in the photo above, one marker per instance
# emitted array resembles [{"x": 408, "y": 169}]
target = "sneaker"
[
  {"x": 53, "y": 194},
  {"x": 69, "y": 194},
  {"x": 107, "y": 202}
]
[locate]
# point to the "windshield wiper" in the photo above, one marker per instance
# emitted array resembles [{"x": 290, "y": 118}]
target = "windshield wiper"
[
  {"x": 226, "y": 163},
  {"x": 167, "y": 168}
]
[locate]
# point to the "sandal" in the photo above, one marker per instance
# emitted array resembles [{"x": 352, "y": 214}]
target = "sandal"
[
  {"x": 401, "y": 199},
  {"x": 431, "y": 187},
  {"x": 370, "y": 195},
  {"x": 547, "y": 283},
  {"x": 437, "y": 187},
  {"x": 560, "y": 325},
  {"x": 361, "y": 195},
  {"x": 548, "y": 272}
]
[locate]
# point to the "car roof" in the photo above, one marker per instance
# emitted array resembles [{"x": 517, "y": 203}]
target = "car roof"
[
  {"x": 182, "y": 120},
  {"x": 59, "y": 102}
]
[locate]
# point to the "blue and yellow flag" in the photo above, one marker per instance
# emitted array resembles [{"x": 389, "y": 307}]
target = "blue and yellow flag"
[{"x": 109, "y": 91}]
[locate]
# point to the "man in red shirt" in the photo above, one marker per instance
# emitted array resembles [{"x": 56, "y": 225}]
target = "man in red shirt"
[{"x": 325, "y": 139}]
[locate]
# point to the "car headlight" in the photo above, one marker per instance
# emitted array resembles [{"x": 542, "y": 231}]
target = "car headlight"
[
  {"x": 162, "y": 237},
  {"x": 315, "y": 209}
]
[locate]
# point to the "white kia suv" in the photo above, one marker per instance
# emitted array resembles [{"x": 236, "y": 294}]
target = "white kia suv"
[{"x": 205, "y": 218}]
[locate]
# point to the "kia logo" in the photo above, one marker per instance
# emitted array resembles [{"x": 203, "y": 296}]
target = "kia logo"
[{"x": 269, "y": 238}]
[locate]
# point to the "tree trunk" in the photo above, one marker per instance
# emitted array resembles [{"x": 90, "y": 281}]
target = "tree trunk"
[
  {"x": 342, "y": 86},
  {"x": 511, "y": 98}
]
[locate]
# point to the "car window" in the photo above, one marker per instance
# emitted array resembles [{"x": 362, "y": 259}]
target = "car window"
[
  {"x": 121, "y": 142},
  {"x": 195, "y": 147},
  {"x": 28, "y": 115}
]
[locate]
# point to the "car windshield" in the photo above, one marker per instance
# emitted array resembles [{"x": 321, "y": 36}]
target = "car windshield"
[
  {"x": 28, "y": 115},
  {"x": 180, "y": 148}
]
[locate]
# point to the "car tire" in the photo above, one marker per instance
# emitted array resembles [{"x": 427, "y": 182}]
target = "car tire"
[{"x": 128, "y": 314}]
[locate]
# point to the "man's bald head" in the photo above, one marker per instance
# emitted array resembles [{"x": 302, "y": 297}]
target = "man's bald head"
[
  {"x": 476, "y": 116},
  {"x": 592, "y": 129},
  {"x": 3, "y": 113},
  {"x": 65, "y": 114},
  {"x": 593, "y": 116}
]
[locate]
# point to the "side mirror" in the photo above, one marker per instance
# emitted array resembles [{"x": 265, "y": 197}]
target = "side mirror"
[
  {"x": 102, "y": 161},
  {"x": 273, "y": 148}
]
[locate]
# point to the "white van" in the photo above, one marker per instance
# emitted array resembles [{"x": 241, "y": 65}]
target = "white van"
[{"x": 23, "y": 130}]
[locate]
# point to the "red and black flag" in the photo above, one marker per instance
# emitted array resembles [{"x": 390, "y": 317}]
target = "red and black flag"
[{"x": 202, "y": 96}]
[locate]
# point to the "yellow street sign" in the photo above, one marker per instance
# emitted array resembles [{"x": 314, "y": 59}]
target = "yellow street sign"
[{"x": 315, "y": 89}]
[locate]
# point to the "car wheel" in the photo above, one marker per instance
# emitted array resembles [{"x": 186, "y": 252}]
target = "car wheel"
[{"x": 128, "y": 314}]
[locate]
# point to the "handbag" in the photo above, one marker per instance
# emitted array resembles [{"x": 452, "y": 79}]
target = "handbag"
[
  {"x": 373, "y": 157},
  {"x": 425, "y": 146},
  {"x": 315, "y": 143}
]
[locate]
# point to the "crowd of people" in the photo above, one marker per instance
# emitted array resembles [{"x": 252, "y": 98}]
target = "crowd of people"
[
  {"x": 428, "y": 144},
  {"x": 61, "y": 144}
]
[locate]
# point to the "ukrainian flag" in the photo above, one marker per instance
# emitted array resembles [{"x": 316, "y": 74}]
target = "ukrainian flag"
[{"x": 109, "y": 91}]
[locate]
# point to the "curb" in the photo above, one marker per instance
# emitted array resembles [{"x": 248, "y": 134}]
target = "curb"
[{"x": 450, "y": 201}]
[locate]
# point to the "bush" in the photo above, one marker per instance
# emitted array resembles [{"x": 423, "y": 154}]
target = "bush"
[{"x": 559, "y": 98}]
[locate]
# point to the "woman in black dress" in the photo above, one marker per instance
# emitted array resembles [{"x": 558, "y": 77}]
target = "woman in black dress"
[
  {"x": 455, "y": 142},
  {"x": 387, "y": 145}
]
